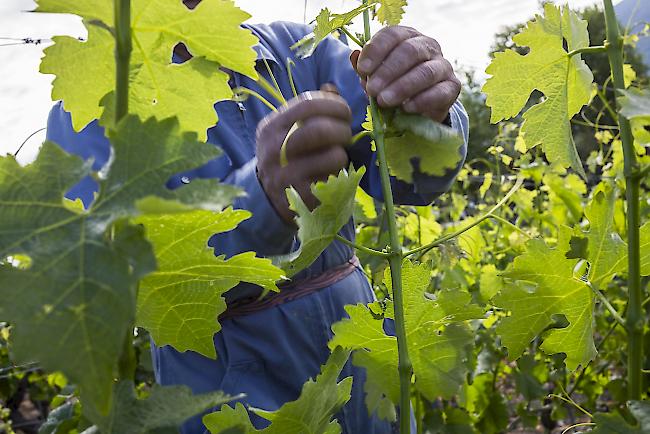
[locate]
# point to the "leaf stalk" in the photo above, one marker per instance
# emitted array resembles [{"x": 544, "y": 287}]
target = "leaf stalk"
[{"x": 589, "y": 50}]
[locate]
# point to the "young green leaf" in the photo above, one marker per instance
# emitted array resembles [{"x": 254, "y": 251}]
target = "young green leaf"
[
  {"x": 158, "y": 88},
  {"x": 179, "y": 303},
  {"x": 635, "y": 105},
  {"x": 318, "y": 228},
  {"x": 390, "y": 12},
  {"x": 557, "y": 292},
  {"x": 326, "y": 23},
  {"x": 311, "y": 413},
  {"x": 411, "y": 138},
  {"x": 439, "y": 341},
  {"x": 565, "y": 82},
  {"x": 165, "y": 408},
  {"x": 606, "y": 251}
]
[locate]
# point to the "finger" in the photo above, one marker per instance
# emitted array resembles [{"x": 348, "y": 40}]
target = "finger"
[
  {"x": 317, "y": 134},
  {"x": 435, "y": 101},
  {"x": 415, "y": 81},
  {"x": 317, "y": 167},
  {"x": 309, "y": 104},
  {"x": 381, "y": 45},
  {"x": 402, "y": 59}
]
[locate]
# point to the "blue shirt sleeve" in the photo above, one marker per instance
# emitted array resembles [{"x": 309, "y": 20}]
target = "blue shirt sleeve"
[{"x": 333, "y": 66}]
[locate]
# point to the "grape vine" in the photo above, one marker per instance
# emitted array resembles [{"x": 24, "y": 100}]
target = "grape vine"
[{"x": 533, "y": 279}]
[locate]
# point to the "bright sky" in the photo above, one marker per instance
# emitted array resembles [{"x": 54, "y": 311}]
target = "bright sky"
[{"x": 464, "y": 28}]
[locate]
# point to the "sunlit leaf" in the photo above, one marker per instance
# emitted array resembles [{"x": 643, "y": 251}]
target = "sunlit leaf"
[
  {"x": 565, "y": 82},
  {"x": 318, "y": 228}
]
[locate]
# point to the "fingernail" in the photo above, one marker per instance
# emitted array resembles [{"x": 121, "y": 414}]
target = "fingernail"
[
  {"x": 365, "y": 66},
  {"x": 389, "y": 97}
]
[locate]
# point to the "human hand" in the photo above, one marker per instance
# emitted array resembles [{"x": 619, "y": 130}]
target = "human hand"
[
  {"x": 401, "y": 67},
  {"x": 314, "y": 151}
]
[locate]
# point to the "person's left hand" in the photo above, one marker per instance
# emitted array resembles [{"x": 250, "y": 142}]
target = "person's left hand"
[{"x": 401, "y": 67}]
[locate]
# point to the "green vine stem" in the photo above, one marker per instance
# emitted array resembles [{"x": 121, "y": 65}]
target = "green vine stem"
[
  {"x": 634, "y": 319},
  {"x": 394, "y": 260},
  {"x": 122, "y": 57},
  {"x": 127, "y": 362}
]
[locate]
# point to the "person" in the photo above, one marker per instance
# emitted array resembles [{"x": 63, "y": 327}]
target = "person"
[{"x": 267, "y": 349}]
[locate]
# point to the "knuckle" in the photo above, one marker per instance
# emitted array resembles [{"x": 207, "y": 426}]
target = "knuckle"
[
  {"x": 419, "y": 48},
  {"x": 434, "y": 45},
  {"x": 339, "y": 158},
  {"x": 448, "y": 68},
  {"x": 428, "y": 72},
  {"x": 412, "y": 48}
]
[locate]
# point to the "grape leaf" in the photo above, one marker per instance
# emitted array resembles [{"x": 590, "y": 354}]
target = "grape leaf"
[
  {"x": 439, "y": 342},
  {"x": 614, "y": 423},
  {"x": 311, "y": 413},
  {"x": 565, "y": 82},
  {"x": 491, "y": 283},
  {"x": 635, "y": 105},
  {"x": 606, "y": 251},
  {"x": 390, "y": 12},
  {"x": 411, "y": 138},
  {"x": 318, "y": 228},
  {"x": 133, "y": 179},
  {"x": 229, "y": 419},
  {"x": 557, "y": 292},
  {"x": 158, "y": 88},
  {"x": 376, "y": 352},
  {"x": 326, "y": 23},
  {"x": 63, "y": 296},
  {"x": 165, "y": 407},
  {"x": 81, "y": 83},
  {"x": 179, "y": 303}
]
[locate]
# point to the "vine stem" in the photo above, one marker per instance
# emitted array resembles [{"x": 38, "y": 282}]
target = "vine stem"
[
  {"x": 395, "y": 258},
  {"x": 127, "y": 361},
  {"x": 122, "y": 57},
  {"x": 634, "y": 320}
]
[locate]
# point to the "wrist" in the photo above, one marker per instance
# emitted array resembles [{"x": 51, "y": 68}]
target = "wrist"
[{"x": 275, "y": 193}]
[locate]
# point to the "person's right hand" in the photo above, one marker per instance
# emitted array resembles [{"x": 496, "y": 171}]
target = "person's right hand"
[{"x": 314, "y": 151}]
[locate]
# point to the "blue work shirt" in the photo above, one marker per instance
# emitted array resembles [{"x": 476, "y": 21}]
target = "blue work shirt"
[
  {"x": 265, "y": 232},
  {"x": 268, "y": 235}
]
